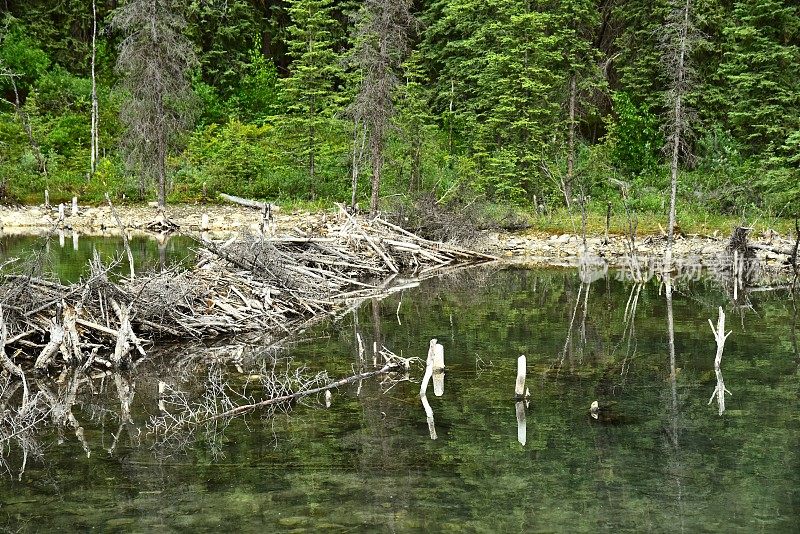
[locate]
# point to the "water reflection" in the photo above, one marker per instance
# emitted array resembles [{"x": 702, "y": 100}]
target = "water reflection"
[
  {"x": 438, "y": 370},
  {"x": 69, "y": 263},
  {"x": 793, "y": 329},
  {"x": 655, "y": 456},
  {"x": 674, "y": 464},
  {"x": 522, "y": 429}
]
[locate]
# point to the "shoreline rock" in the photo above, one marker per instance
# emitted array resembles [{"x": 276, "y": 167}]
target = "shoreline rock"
[{"x": 526, "y": 247}]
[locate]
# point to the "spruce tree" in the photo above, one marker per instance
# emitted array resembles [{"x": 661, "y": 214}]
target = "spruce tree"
[
  {"x": 638, "y": 62},
  {"x": 581, "y": 58},
  {"x": 498, "y": 77},
  {"x": 154, "y": 61},
  {"x": 315, "y": 68},
  {"x": 381, "y": 44},
  {"x": 759, "y": 73},
  {"x": 414, "y": 118}
]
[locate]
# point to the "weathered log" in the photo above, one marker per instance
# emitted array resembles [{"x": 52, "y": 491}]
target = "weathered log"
[
  {"x": 720, "y": 336},
  {"x": 255, "y": 204},
  {"x": 71, "y": 344},
  {"x": 522, "y": 429},
  {"x": 423, "y": 388},
  {"x": 770, "y": 248},
  {"x": 122, "y": 350},
  {"x": 52, "y": 347},
  {"x": 388, "y": 368},
  {"x": 522, "y": 371}
]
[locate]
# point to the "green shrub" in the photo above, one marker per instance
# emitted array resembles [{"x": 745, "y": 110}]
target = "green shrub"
[{"x": 634, "y": 136}]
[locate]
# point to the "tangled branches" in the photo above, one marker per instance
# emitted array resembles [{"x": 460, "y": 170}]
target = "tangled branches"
[{"x": 251, "y": 283}]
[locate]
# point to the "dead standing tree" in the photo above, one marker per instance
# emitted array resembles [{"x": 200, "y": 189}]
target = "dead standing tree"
[
  {"x": 381, "y": 36},
  {"x": 677, "y": 46},
  {"x": 95, "y": 134},
  {"x": 154, "y": 60}
]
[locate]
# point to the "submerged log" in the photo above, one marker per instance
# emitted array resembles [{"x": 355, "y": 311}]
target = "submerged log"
[
  {"x": 52, "y": 347},
  {"x": 388, "y": 368}
]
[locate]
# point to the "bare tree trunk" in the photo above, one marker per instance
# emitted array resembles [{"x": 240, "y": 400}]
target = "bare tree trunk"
[
  {"x": 376, "y": 149},
  {"x": 94, "y": 120},
  {"x": 450, "y": 126},
  {"x": 571, "y": 140},
  {"x": 678, "y": 126}
]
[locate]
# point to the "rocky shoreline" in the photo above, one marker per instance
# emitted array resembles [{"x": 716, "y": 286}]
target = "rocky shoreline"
[
  {"x": 99, "y": 220},
  {"x": 527, "y": 247}
]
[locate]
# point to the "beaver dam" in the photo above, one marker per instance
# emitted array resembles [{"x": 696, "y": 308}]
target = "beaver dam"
[{"x": 249, "y": 283}]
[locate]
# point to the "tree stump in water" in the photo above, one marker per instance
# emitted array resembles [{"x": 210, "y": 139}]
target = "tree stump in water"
[
  {"x": 738, "y": 241},
  {"x": 162, "y": 224}
]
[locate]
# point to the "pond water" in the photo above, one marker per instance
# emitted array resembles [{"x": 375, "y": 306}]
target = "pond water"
[
  {"x": 67, "y": 254},
  {"x": 659, "y": 459}
]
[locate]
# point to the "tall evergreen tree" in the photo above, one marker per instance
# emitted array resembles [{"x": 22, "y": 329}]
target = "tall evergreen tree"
[
  {"x": 154, "y": 60},
  {"x": 414, "y": 118},
  {"x": 581, "y": 57},
  {"x": 760, "y": 87},
  {"x": 499, "y": 79},
  {"x": 381, "y": 44},
  {"x": 638, "y": 63},
  {"x": 223, "y": 33},
  {"x": 315, "y": 68}
]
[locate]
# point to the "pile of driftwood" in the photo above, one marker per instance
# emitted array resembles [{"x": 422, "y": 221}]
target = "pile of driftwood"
[{"x": 261, "y": 283}]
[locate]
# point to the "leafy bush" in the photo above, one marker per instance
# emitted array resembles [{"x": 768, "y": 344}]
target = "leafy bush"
[
  {"x": 634, "y": 136},
  {"x": 20, "y": 54}
]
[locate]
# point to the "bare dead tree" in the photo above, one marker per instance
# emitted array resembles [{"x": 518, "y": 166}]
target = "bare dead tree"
[
  {"x": 154, "y": 60},
  {"x": 567, "y": 183},
  {"x": 678, "y": 37},
  {"x": 381, "y": 35},
  {"x": 94, "y": 120}
]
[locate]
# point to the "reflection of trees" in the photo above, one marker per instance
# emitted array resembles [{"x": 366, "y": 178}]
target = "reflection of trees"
[
  {"x": 46, "y": 405},
  {"x": 793, "y": 330},
  {"x": 672, "y": 429},
  {"x": 368, "y": 460}
]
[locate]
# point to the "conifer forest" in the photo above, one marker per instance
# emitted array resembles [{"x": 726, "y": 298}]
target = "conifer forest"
[{"x": 531, "y": 103}]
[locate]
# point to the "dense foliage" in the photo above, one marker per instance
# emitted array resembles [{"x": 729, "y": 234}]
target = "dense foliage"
[{"x": 481, "y": 107}]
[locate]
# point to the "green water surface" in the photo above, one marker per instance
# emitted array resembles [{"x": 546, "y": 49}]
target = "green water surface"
[
  {"x": 655, "y": 462},
  {"x": 68, "y": 255}
]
